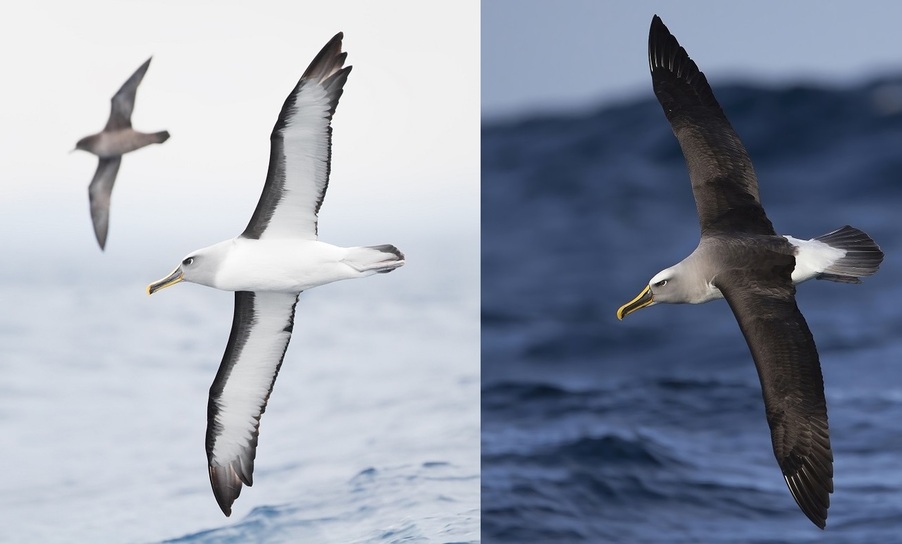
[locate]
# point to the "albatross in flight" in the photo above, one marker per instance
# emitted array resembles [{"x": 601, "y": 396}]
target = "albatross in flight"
[
  {"x": 116, "y": 139},
  {"x": 742, "y": 259},
  {"x": 269, "y": 265}
]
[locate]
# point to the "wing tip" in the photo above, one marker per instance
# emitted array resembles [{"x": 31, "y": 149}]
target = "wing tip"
[
  {"x": 812, "y": 500},
  {"x": 657, "y": 23},
  {"x": 669, "y": 61},
  {"x": 227, "y": 485},
  {"x": 100, "y": 222},
  {"x": 665, "y": 51},
  {"x": 139, "y": 73},
  {"x": 810, "y": 481},
  {"x": 657, "y": 35},
  {"x": 327, "y": 69},
  {"x": 329, "y": 60},
  {"x": 101, "y": 238}
]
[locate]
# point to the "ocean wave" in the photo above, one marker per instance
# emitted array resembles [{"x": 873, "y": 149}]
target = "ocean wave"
[{"x": 653, "y": 429}]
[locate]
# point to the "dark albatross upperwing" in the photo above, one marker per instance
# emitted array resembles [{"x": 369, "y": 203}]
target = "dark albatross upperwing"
[
  {"x": 762, "y": 298},
  {"x": 261, "y": 329},
  {"x": 123, "y": 102},
  {"x": 301, "y": 151},
  {"x": 723, "y": 180}
]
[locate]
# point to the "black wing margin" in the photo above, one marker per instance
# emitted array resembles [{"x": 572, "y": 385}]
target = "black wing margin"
[
  {"x": 261, "y": 329},
  {"x": 300, "y": 159}
]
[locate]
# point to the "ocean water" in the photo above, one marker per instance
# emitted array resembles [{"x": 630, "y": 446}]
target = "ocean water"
[
  {"x": 371, "y": 433},
  {"x": 652, "y": 430}
]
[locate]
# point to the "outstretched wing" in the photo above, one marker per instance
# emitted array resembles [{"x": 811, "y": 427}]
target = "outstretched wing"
[
  {"x": 99, "y": 193},
  {"x": 723, "y": 180},
  {"x": 261, "y": 329},
  {"x": 763, "y": 301},
  {"x": 123, "y": 102},
  {"x": 301, "y": 151}
]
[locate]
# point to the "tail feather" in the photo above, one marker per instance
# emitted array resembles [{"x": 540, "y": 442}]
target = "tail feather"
[
  {"x": 380, "y": 259},
  {"x": 863, "y": 255}
]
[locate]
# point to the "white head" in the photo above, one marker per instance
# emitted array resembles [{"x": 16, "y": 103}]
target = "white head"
[
  {"x": 670, "y": 285},
  {"x": 198, "y": 267}
]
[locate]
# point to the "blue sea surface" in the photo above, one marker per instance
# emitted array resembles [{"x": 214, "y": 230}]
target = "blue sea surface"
[
  {"x": 652, "y": 430},
  {"x": 371, "y": 434}
]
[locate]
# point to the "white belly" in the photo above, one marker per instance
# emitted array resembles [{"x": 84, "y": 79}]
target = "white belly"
[{"x": 281, "y": 265}]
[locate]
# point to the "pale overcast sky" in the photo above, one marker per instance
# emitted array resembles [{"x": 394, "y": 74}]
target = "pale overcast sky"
[
  {"x": 543, "y": 55},
  {"x": 406, "y": 132}
]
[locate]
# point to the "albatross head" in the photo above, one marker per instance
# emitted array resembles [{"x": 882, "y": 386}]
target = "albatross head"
[
  {"x": 665, "y": 286},
  {"x": 198, "y": 267}
]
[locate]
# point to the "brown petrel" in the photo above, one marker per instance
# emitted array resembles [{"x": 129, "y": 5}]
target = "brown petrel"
[{"x": 117, "y": 138}]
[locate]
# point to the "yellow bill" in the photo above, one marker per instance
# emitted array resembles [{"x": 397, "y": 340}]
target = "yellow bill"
[
  {"x": 171, "y": 279},
  {"x": 642, "y": 300}
]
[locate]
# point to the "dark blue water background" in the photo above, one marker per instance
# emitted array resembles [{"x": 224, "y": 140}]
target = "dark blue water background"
[{"x": 653, "y": 429}]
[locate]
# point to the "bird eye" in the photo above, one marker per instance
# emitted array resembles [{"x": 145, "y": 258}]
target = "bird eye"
[
  {"x": 188, "y": 261},
  {"x": 661, "y": 283}
]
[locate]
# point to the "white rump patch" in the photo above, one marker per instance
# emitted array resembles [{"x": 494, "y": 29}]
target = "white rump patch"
[{"x": 812, "y": 258}]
